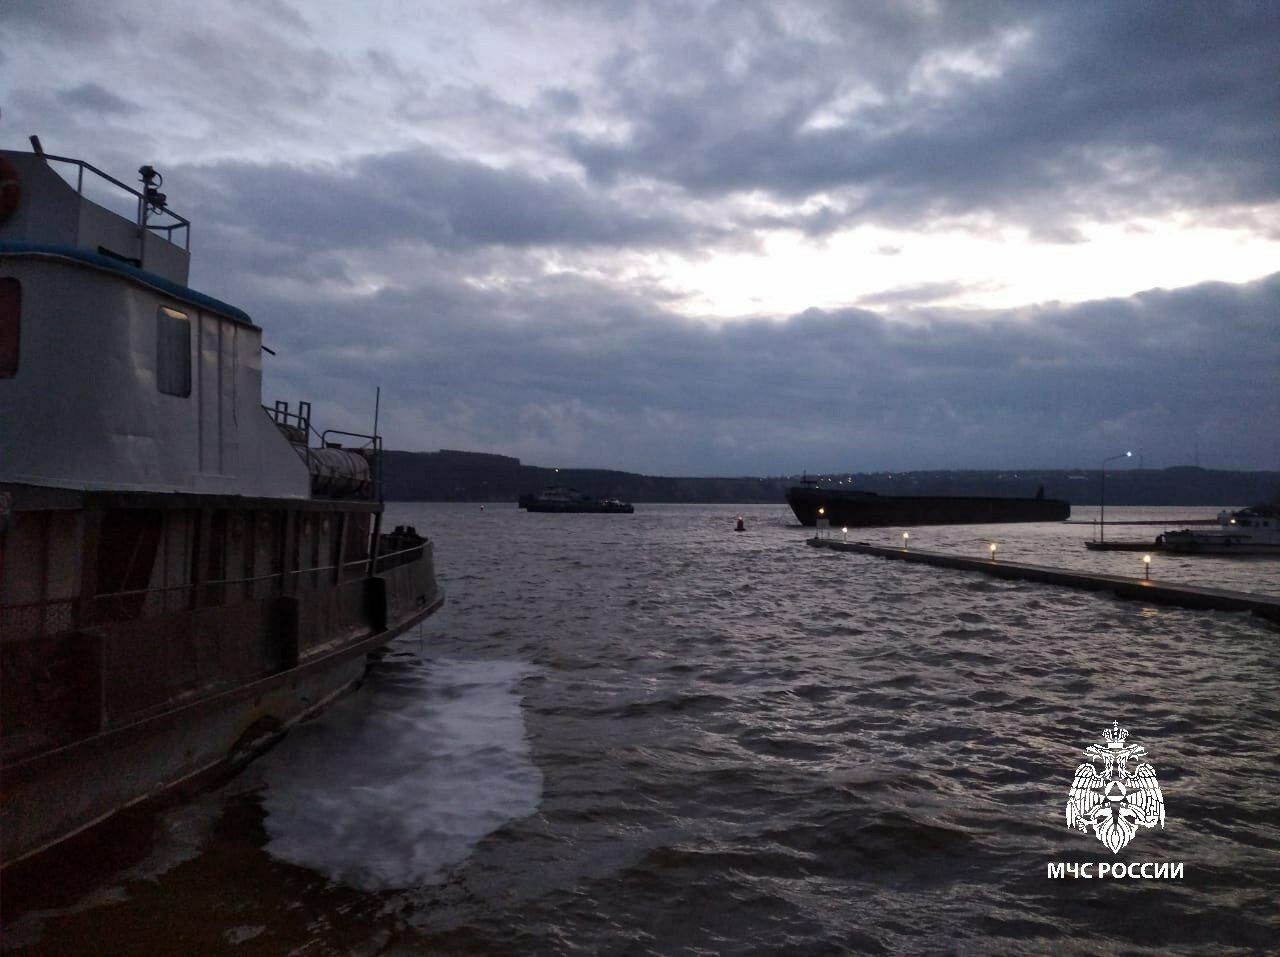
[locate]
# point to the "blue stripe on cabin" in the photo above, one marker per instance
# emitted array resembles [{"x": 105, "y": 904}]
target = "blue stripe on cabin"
[{"x": 159, "y": 283}]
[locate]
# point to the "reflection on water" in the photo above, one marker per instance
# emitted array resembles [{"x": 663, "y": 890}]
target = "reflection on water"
[{"x": 394, "y": 785}]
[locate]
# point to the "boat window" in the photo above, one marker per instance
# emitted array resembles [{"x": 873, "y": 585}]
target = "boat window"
[
  {"x": 173, "y": 352},
  {"x": 10, "y": 321}
]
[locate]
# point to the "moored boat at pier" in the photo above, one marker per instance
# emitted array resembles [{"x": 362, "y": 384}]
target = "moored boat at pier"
[
  {"x": 183, "y": 572},
  {"x": 1250, "y": 531}
]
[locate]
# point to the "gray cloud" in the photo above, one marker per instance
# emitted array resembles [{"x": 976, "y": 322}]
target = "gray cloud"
[
  {"x": 572, "y": 372},
  {"x": 482, "y": 243},
  {"x": 94, "y": 99},
  {"x": 65, "y": 20},
  {"x": 918, "y": 294},
  {"x": 1167, "y": 107},
  {"x": 278, "y": 11},
  {"x": 421, "y": 197}
]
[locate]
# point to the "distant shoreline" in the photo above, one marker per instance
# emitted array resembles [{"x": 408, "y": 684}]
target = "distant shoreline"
[{"x": 456, "y": 476}]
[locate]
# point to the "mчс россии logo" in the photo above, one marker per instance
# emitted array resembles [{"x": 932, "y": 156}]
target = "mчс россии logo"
[{"x": 1115, "y": 801}]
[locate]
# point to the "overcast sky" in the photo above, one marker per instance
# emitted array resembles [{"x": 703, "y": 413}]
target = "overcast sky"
[{"x": 715, "y": 238}]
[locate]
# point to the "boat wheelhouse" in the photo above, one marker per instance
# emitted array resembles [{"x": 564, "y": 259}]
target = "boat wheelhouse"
[{"x": 183, "y": 572}]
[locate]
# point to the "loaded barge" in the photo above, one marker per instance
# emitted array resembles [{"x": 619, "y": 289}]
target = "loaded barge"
[
  {"x": 846, "y": 507},
  {"x": 184, "y": 573}
]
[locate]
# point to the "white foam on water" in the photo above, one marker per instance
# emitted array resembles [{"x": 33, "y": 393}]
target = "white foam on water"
[{"x": 395, "y": 786}]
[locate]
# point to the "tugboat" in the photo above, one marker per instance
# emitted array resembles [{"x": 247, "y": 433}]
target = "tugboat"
[
  {"x": 184, "y": 573},
  {"x": 561, "y": 499},
  {"x": 847, "y": 507}
]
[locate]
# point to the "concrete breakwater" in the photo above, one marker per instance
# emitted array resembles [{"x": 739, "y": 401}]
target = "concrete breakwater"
[{"x": 1140, "y": 589}]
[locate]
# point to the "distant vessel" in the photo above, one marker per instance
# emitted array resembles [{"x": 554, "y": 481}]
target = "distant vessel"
[
  {"x": 560, "y": 499},
  {"x": 183, "y": 573},
  {"x": 1250, "y": 531},
  {"x": 846, "y": 507}
]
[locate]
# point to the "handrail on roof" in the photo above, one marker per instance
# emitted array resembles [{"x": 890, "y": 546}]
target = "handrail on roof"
[
  {"x": 300, "y": 423},
  {"x": 144, "y": 202}
]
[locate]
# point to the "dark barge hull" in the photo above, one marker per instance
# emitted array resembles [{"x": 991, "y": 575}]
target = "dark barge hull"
[
  {"x": 115, "y": 712},
  {"x": 861, "y": 509},
  {"x": 62, "y": 793}
]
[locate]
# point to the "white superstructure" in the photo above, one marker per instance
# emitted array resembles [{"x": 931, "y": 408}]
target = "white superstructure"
[
  {"x": 1250, "y": 531},
  {"x": 113, "y": 374},
  {"x": 183, "y": 575}
]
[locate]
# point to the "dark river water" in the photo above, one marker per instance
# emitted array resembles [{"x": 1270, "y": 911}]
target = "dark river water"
[{"x": 647, "y": 734}]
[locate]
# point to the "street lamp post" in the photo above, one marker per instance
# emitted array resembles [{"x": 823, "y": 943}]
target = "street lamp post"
[{"x": 1102, "y": 497}]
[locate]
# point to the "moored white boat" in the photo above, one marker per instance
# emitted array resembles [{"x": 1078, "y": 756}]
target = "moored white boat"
[{"x": 1250, "y": 531}]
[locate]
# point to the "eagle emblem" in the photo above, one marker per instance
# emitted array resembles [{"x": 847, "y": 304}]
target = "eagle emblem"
[{"x": 1116, "y": 801}]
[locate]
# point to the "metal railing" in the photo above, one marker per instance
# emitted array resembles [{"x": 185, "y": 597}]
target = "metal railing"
[
  {"x": 371, "y": 449},
  {"x": 144, "y": 203},
  {"x": 23, "y": 620},
  {"x": 140, "y": 603},
  {"x": 387, "y": 560},
  {"x": 298, "y": 428},
  {"x": 299, "y": 421}
]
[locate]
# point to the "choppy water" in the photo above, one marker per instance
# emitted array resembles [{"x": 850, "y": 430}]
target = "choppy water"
[{"x": 647, "y": 734}]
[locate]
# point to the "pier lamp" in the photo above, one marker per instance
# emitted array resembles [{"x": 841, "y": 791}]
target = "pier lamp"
[
  {"x": 906, "y": 539},
  {"x": 1146, "y": 567},
  {"x": 1102, "y": 494},
  {"x": 844, "y": 533},
  {"x": 993, "y": 551}
]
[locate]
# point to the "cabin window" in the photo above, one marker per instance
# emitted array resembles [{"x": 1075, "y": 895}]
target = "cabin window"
[
  {"x": 173, "y": 352},
  {"x": 10, "y": 322}
]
